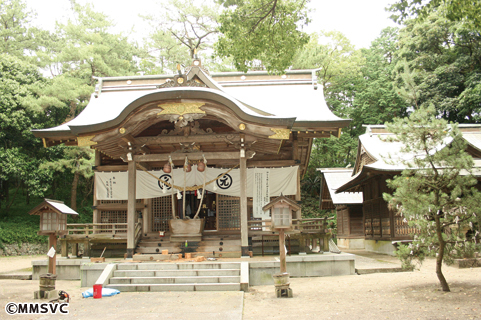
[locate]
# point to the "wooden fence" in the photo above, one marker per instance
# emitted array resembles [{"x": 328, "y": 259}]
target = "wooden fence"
[{"x": 309, "y": 225}]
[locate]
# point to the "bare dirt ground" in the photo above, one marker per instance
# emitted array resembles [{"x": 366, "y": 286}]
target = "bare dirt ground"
[{"x": 407, "y": 295}]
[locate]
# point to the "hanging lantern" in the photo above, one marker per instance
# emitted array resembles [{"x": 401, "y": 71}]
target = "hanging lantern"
[
  {"x": 188, "y": 167},
  {"x": 201, "y": 167},
  {"x": 167, "y": 168}
]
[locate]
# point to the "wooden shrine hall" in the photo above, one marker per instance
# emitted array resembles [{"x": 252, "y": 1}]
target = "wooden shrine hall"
[{"x": 196, "y": 146}]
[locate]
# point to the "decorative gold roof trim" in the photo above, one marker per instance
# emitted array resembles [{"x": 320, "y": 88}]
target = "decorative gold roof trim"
[
  {"x": 181, "y": 108},
  {"x": 280, "y": 134},
  {"x": 85, "y": 141}
]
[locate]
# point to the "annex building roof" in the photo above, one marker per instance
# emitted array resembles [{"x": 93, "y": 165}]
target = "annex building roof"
[
  {"x": 336, "y": 177},
  {"x": 379, "y": 151}
]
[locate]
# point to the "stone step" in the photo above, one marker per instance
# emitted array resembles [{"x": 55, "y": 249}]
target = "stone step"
[
  {"x": 157, "y": 257},
  {"x": 176, "y": 273},
  {"x": 178, "y": 266},
  {"x": 156, "y": 242},
  {"x": 176, "y": 287},
  {"x": 143, "y": 249},
  {"x": 175, "y": 280}
]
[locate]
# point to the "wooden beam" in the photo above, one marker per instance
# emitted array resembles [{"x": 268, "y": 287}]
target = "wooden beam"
[
  {"x": 111, "y": 168},
  {"x": 129, "y": 138},
  {"x": 145, "y": 150},
  {"x": 118, "y": 206},
  {"x": 192, "y": 156},
  {"x": 202, "y": 138}
]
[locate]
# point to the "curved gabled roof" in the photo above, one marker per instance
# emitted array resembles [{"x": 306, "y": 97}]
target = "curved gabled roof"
[
  {"x": 111, "y": 108},
  {"x": 294, "y": 103}
]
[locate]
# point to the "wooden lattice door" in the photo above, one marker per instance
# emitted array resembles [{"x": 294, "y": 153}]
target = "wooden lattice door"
[
  {"x": 228, "y": 212},
  {"x": 161, "y": 213}
]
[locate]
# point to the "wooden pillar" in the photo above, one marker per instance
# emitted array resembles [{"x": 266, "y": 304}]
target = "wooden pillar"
[
  {"x": 86, "y": 249},
  {"x": 75, "y": 249},
  {"x": 298, "y": 193},
  {"x": 147, "y": 216},
  {"x": 96, "y": 213},
  {"x": 132, "y": 173},
  {"x": 295, "y": 157},
  {"x": 52, "y": 262},
  {"x": 325, "y": 242},
  {"x": 282, "y": 251},
  {"x": 243, "y": 206},
  {"x": 64, "y": 248}
]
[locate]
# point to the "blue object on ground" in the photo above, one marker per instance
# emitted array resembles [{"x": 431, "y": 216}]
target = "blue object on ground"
[{"x": 106, "y": 292}]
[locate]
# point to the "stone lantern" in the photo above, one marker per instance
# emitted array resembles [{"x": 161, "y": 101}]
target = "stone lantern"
[
  {"x": 281, "y": 220},
  {"x": 53, "y": 223}
]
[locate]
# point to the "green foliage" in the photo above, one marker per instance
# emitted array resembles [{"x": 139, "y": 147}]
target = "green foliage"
[
  {"x": 20, "y": 232},
  {"x": 20, "y": 153},
  {"x": 444, "y": 62},
  {"x": 333, "y": 152},
  {"x": 468, "y": 11},
  {"x": 78, "y": 161},
  {"x": 376, "y": 99},
  {"x": 262, "y": 33},
  {"x": 411, "y": 257},
  {"x": 310, "y": 207},
  {"x": 437, "y": 194},
  {"x": 340, "y": 66},
  {"x": 18, "y": 38}
]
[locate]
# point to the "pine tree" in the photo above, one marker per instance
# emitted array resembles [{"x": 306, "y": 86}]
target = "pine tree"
[{"x": 437, "y": 194}]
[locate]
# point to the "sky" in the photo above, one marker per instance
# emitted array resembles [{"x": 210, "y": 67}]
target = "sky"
[{"x": 361, "y": 21}]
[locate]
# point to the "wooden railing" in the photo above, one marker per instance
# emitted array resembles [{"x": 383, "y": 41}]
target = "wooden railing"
[
  {"x": 309, "y": 225},
  {"x": 86, "y": 229},
  {"x": 102, "y": 230}
]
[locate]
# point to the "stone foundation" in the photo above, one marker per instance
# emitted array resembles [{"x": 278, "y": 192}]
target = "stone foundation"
[
  {"x": 343, "y": 243},
  {"x": 25, "y": 249},
  {"x": 315, "y": 265},
  {"x": 380, "y": 246}
]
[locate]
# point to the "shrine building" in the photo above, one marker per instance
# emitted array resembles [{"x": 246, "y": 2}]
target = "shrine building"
[{"x": 197, "y": 146}]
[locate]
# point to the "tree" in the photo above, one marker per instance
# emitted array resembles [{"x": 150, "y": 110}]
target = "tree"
[
  {"x": 17, "y": 37},
  {"x": 455, "y": 10},
  {"x": 183, "y": 28},
  {"x": 376, "y": 99},
  {"x": 81, "y": 50},
  {"x": 437, "y": 193},
  {"x": 263, "y": 33},
  {"x": 79, "y": 162},
  {"x": 445, "y": 64},
  {"x": 20, "y": 153},
  {"x": 340, "y": 66}
]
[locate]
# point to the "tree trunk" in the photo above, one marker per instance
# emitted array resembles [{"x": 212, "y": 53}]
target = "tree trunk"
[
  {"x": 73, "y": 197},
  {"x": 13, "y": 199},
  {"x": 439, "y": 257}
]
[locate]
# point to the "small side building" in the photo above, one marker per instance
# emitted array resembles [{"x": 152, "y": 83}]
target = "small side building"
[
  {"x": 377, "y": 161},
  {"x": 348, "y": 207}
]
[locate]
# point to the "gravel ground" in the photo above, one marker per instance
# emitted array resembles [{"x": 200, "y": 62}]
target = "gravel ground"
[{"x": 406, "y": 295}]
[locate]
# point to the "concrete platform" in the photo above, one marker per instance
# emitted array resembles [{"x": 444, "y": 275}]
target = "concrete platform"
[{"x": 15, "y": 276}]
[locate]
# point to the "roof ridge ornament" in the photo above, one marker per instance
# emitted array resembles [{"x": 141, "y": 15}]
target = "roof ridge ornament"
[
  {"x": 280, "y": 134},
  {"x": 184, "y": 112}
]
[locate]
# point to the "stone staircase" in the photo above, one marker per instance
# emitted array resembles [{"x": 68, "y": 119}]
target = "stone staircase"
[
  {"x": 218, "y": 246},
  {"x": 205, "y": 276}
]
